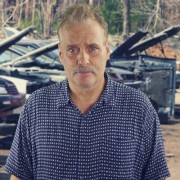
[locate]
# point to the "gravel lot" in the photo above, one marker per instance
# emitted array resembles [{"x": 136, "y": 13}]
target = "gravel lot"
[{"x": 171, "y": 134}]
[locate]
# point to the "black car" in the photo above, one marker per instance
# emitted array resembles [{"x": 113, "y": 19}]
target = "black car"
[{"x": 10, "y": 98}]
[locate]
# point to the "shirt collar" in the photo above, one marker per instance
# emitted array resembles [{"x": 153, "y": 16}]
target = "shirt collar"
[
  {"x": 106, "y": 98},
  {"x": 63, "y": 97}
]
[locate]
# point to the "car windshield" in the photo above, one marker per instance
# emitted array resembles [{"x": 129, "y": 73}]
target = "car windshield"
[
  {"x": 21, "y": 49},
  {"x": 4, "y": 58},
  {"x": 39, "y": 59},
  {"x": 8, "y": 56},
  {"x": 28, "y": 45}
]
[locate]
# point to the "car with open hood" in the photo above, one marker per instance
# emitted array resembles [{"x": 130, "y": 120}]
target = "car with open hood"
[{"x": 156, "y": 76}]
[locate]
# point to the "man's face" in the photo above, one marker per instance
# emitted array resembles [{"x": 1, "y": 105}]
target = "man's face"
[{"x": 84, "y": 51}]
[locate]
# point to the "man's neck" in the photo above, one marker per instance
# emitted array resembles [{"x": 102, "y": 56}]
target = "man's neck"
[{"x": 84, "y": 99}]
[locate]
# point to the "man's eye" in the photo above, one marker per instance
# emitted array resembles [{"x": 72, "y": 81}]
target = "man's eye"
[
  {"x": 73, "y": 50},
  {"x": 93, "y": 49}
]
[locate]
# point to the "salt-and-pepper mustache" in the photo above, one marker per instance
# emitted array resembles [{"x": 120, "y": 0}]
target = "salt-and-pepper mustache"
[{"x": 82, "y": 69}]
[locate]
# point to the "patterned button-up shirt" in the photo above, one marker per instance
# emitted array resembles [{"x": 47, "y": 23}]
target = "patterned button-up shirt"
[{"x": 119, "y": 137}]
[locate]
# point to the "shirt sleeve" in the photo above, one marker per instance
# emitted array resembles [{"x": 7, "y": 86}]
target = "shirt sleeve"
[
  {"x": 154, "y": 155},
  {"x": 19, "y": 161}
]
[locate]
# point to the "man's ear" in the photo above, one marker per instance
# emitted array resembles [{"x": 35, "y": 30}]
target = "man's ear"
[
  {"x": 108, "y": 49},
  {"x": 60, "y": 52}
]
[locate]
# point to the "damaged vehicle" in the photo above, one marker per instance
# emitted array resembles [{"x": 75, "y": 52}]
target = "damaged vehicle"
[
  {"x": 10, "y": 98},
  {"x": 38, "y": 69},
  {"x": 154, "y": 76}
]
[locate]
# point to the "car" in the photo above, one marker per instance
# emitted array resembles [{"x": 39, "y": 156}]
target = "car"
[
  {"x": 16, "y": 56},
  {"x": 37, "y": 68},
  {"x": 10, "y": 98},
  {"x": 6, "y": 43},
  {"x": 156, "y": 76}
]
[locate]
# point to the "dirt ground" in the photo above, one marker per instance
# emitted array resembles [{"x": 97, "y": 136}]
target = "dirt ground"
[{"x": 171, "y": 135}]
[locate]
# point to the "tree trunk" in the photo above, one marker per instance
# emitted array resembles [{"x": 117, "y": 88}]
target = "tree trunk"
[
  {"x": 91, "y": 2},
  {"x": 20, "y": 13},
  {"x": 47, "y": 17},
  {"x": 126, "y": 24},
  {"x": 33, "y": 11},
  {"x": 1, "y": 14},
  {"x": 27, "y": 10}
]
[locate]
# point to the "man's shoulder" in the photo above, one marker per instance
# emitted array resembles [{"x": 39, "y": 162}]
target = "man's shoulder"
[
  {"x": 122, "y": 92},
  {"x": 124, "y": 89},
  {"x": 57, "y": 87},
  {"x": 48, "y": 92}
]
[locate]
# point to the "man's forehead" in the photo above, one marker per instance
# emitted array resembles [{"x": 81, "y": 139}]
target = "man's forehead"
[
  {"x": 89, "y": 29},
  {"x": 77, "y": 45},
  {"x": 76, "y": 41}
]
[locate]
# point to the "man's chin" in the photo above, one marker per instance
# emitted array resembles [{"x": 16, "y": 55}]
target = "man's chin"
[
  {"x": 86, "y": 84},
  {"x": 85, "y": 78}
]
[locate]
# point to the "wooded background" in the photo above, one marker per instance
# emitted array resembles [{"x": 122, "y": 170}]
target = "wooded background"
[{"x": 123, "y": 16}]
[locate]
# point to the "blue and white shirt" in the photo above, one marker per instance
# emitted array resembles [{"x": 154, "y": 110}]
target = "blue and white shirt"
[{"x": 119, "y": 138}]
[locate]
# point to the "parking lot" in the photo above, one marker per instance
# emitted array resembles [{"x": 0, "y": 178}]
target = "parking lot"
[{"x": 171, "y": 135}]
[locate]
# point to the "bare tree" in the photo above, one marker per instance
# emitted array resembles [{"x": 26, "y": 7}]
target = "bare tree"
[
  {"x": 160, "y": 14},
  {"x": 91, "y": 2},
  {"x": 8, "y": 10},
  {"x": 33, "y": 10},
  {"x": 19, "y": 5},
  {"x": 10, "y": 15},
  {"x": 47, "y": 16},
  {"x": 1, "y": 13},
  {"x": 126, "y": 24},
  {"x": 154, "y": 18},
  {"x": 12, "y": 12}
]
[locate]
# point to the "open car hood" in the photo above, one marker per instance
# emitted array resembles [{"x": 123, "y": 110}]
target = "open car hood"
[
  {"x": 130, "y": 47},
  {"x": 14, "y": 38},
  {"x": 123, "y": 48}
]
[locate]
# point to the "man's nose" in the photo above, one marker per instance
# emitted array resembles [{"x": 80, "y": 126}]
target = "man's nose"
[{"x": 83, "y": 58}]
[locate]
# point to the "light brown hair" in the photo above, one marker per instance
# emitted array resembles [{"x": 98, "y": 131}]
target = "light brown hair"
[{"x": 80, "y": 12}]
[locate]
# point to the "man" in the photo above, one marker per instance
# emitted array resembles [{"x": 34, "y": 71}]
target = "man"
[{"x": 87, "y": 127}]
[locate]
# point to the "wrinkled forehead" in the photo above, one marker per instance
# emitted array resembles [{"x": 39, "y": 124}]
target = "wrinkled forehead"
[{"x": 78, "y": 30}]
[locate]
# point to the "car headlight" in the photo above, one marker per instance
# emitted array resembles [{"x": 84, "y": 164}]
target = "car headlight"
[{"x": 3, "y": 90}]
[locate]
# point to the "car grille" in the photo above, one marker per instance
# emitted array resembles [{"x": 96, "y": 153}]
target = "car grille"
[{"x": 12, "y": 90}]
